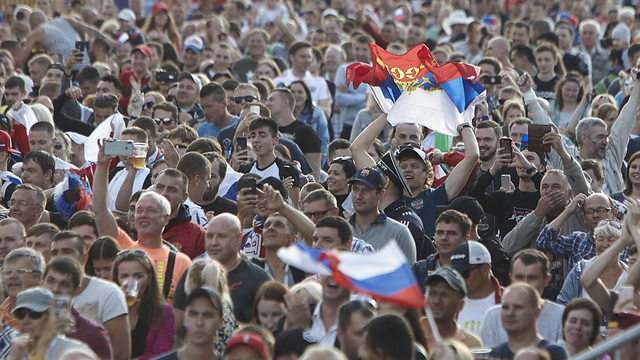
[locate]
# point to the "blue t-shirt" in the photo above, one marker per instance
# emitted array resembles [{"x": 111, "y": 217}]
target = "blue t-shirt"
[
  {"x": 425, "y": 206},
  {"x": 502, "y": 351},
  {"x": 207, "y": 129}
]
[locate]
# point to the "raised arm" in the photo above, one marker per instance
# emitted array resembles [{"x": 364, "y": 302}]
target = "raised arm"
[
  {"x": 621, "y": 129},
  {"x": 574, "y": 207},
  {"x": 126, "y": 190},
  {"x": 105, "y": 220},
  {"x": 360, "y": 146},
  {"x": 460, "y": 174},
  {"x": 273, "y": 201},
  {"x": 36, "y": 39}
]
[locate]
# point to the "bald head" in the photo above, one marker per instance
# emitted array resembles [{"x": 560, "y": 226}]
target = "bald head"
[
  {"x": 36, "y": 19},
  {"x": 498, "y": 47},
  {"x": 226, "y": 220}
]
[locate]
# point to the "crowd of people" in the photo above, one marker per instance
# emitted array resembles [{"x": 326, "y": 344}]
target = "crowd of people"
[{"x": 156, "y": 155}]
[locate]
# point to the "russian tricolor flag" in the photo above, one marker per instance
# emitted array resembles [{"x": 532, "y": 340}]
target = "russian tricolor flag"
[
  {"x": 384, "y": 275},
  {"x": 413, "y": 88}
]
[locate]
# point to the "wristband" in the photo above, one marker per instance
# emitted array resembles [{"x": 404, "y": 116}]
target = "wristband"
[
  {"x": 464, "y": 126},
  {"x": 531, "y": 170}
]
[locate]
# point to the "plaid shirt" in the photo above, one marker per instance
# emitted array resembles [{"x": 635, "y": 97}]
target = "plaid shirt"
[
  {"x": 574, "y": 247},
  {"x": 6, "y": 337}
]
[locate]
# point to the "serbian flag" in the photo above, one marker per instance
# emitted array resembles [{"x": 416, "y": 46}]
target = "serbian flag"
[
  {"x": 413, "y": 88},
  {"x": 384, "y": 275}
]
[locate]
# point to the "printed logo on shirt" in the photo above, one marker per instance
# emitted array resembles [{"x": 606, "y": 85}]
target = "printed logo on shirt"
[
  {"x": 518, "y": 214},
  {"x": 417, "y": 204},
  {"x": 472, "y": 326}
]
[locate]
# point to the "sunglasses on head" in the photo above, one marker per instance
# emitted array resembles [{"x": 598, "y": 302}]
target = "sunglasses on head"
[
  {"x": 248, "y": 98},
  {"x": 22, "y": 313},
  {"x": 614, "y": 223},
  {"x": 134, "y": 252},
  {"x": 148, "y": 105},
  {"x": 166, "y": 121}
]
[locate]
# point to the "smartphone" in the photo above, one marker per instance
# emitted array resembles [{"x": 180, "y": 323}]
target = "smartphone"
[
  {"x": 492, "y": 80},
  {"x": 248, "y": 183},
  {"x": 80, "y": 45},
  {"x": 255, "y": 109},
  {"x": 287, "y": 171},
  {"x": 535, "y": 134},
  {"x": 505, "y": 181},
  {"x": 118, "y": 148},
  {"x": 241, "y": 142},
  {"x": 505, "y": 143},
  {"x": 166, "y": 76}
]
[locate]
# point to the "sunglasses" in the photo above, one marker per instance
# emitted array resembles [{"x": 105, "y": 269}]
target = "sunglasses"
[
  {"x": 148, "y": 105},
  {"x": 467, "y": 273},
  {"x": 248, "y": 98},
  {"x": 614, "y": 223},
  {"x": 20, "y": 314},
  {"x": 166, "y": 121},
  {"x": 57, "y": 146},
  {"x": 134, "y": 252}
]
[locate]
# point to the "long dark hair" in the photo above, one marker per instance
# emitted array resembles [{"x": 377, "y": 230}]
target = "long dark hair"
[
  {"x": 308, "y": 105},
  {"x": 628, "y": 186},
  {"x": 170, "y": 26},
  {"x": 103, "y": 248},
  {"x": 573, "y": 78},
  {"x": 270, "y": 290},
  {"x": 150, "y": 309}
]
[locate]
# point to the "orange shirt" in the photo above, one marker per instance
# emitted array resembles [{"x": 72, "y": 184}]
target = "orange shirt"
[
  {"x": 159, "y": 257},
  {"x": 7, "y": 316}
]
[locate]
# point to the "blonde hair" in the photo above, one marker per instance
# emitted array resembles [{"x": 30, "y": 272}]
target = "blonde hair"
[
  {"x": 42, "y": 113},
  {"x": 310, "y": 290},
  {"x": 208, "y": 272}
]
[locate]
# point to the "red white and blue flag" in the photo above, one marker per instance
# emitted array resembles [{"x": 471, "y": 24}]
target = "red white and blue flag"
[
  {"x": 413, "y": 88},
  {"x": 385, "y": 275}
]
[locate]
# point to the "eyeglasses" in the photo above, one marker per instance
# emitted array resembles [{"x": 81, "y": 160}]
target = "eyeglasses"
[
  {"x": 33, "y": 315},
  {"x": 148, "y": 105},
  {"x": 8, "y": 273},
  {"x": 317, "y": 214},
  {"x": 134, "y": 252},
  {"x": 166, "y": 121},
  {"x": 20, "y": 203},
  {"x": 600, "y": 211},
  {"x": 467, "y": 273},
  {"x": 248, "y": 98},
  {"x": 58, "y": 146},
  {"x": 614, "y": 223}
]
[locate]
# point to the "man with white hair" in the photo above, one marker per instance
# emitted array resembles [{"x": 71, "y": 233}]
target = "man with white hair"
[
  {"x": 152, "y": 215},
  {"x": 590, "y": 37}
]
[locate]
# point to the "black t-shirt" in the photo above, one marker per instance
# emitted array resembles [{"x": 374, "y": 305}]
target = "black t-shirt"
[
  {"x": 221, "y": 205},
  {"x": 244, "y": 282},
  {"x": 225, "y": 138},
  {"x": 502, "y": 351},
  {"x": 546, "y": 90},
  {"x": 303, "y": 135}
]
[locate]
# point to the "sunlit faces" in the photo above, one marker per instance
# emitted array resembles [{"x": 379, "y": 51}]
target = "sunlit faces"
[
  {"x": 365, "y": 200},
  {"x": 149, "y": 216},
  {"x": 87, "y": 234},
  {"x": 222, "y": 240},
  {"x": 18, "y": 275},
  {"x": 24, "y": 207},
  {"x": 570, "y": 91},
  {"x": 187, "y": 92},
  {"x": 415, "y": 172},
  {"x": 578, "y": 328},
  {"x": 58, "y": 283},
  {"x": 327, "y": 238},
  {"x": 134, "y": 269},
  {"x": 172, "y": 188},
  {"x": 337, "y": 181},
  {"x": 546, "y": 61},
  {"x": 10, "y": 239},
  {"x": 529, "y": 273},
  {"x": 448, "y": 236},
  {"x": 32, "y": 173},
  {"x": 41, "y": 140},
  {"x": 301, "y": 60},
  {"x": 262, "y": 141},
  {"x": 517, "y": 312},
  {"x": 443, "y": 301},
  {"x": 40, "y": 243},
  {"x": 487, "y": 143},
  {"x": 516, "y": 132}
]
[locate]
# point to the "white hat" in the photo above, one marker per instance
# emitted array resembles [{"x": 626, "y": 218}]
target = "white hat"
[
  {"x": 195, "y": 43},
  {"x": 330, "y": 12},
  {"x": 456, "y": 17},
  {"x": 127, "y": 15},
  {"x": 77, "y": 138}
]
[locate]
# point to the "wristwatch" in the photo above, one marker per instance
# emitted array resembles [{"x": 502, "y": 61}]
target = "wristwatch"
[
  {"x": 531, "y": 170},
  {"x": 465, "y": 126}
]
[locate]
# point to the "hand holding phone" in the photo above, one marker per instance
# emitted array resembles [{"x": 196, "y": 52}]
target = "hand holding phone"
[
  {"x": 248, "y": 183},
  {"x": 505, "y": 144},
  {"x": 241, "y": 142}
]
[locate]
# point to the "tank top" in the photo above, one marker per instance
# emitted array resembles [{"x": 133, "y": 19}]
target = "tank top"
[{"x": 61, "y": 37}]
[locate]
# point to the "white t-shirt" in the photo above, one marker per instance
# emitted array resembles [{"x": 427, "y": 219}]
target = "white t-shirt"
[
  {"x": 317, "y": 85},
  {"x": 197, "y": 213},
  {"x": 473, "y": 311},
  {"x": 101, "y": 301},
  {"x": 271, "y": 170}
]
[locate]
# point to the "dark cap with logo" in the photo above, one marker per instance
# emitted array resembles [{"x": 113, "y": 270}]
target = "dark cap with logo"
[
  {"x": 370, "y": 177},
  {"x": 469, "y": 253}
]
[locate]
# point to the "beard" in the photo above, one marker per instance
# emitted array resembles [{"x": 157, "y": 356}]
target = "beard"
[
  {"x": 210, "y": 194},
  {"x": 488, "y": 156}
]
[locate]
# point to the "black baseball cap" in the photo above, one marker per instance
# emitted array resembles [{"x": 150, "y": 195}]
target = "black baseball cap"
[{"x": 389, "y": 167}]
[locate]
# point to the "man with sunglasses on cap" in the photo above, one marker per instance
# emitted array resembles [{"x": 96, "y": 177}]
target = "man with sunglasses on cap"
[
  {"x": 473, "y": 261},
  {"x": 445, "y": 294},
  {"x": 40, "y": 336},
  {"x": 578, "y": 245}
]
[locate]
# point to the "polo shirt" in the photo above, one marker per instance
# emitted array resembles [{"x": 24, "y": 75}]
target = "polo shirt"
[{"x": 382, "y": 230}]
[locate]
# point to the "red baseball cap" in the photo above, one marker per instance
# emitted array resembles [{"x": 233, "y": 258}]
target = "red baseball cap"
[
  {"x": 5, "y": 142},
  {"x": 159, "y": 6},
  {"x": 143, "y": 49},
  {"x": 255, "y": 341}
]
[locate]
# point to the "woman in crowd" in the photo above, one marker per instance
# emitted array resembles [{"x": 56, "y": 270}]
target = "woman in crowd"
[
  {"x": 608, "y": 113},
  {"x": 309, "y": 114},
  {"x": 151, "y": 320},
  {"x": 268, "y": 305},
  {"x": 512, "y": 110},
  {"x": 102, "y": 256},
  {"x": 268, "y": 68},
  {"x": 222, "y": 59},
  {"x": 161, "y": 28},
  {"x": 632, "y": 181},
  {"x": 209, "y": 273},
  {"x": 341, "y": 170},
  {"x": 580, "y": 325},
  {"x": 569, "y": 95}
]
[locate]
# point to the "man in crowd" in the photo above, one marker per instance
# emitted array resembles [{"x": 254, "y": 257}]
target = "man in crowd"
[
  {"x": 213, "y": 100},
  {"x": 38, "y": 238},
  {"x": 198, "y": 171},
  {"x": 21, "y": 270},
  {"x": 210, "y": 199},
  {"x": 352, "y": 318},
  {"x": 12, "y": 237}
]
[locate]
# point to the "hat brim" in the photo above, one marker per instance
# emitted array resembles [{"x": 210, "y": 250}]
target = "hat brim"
[
  {"x": 390, "y": 167},
  {"x": 33, "y": 307},
  {"x": 193, "y": 48},
  {"x": 365, "y": 182}
]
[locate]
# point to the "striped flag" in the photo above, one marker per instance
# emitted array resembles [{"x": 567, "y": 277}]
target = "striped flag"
[
  {"x": 413, "y": 88},
  {"x": 384, "y": 275}
]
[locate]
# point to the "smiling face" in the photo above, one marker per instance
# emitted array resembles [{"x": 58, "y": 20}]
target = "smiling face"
[
  {"x": 299, "y": 94},
  {"x": 487, "y": 143},
  {"x": 262, "y": 141},
  {"x": 301, "y": 60},
  {"x": 15, "y": 282},
  {"x": 415, "y": 171},
  {"x": 578, "y": 328},
  {"x": 24, "y": 207},
  {"x": 570, "y": 92},
  {"x": 337, "y": 181},
  {"x": 331, "y": 291},
  {"x": 149, "y": 217}
]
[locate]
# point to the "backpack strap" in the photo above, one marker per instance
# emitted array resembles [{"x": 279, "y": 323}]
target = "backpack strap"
[{"x": 168, "y": 275}]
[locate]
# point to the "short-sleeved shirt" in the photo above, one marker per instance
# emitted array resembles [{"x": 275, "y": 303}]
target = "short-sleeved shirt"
[
  {"x": 160, "y": 258},
  {"x": 207, "y": 129},
  {"x": 546, "y": 89},
  {"x": 303, "y": 135},
  {"x": 317, "y": 85},
  {"x": 101, "y": 301},
  {"x": 425, "y": 206},
  {"x": 221, "y": 205}
]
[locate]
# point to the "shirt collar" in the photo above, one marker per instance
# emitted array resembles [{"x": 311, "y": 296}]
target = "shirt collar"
[{"x": 379, "y": 220}]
